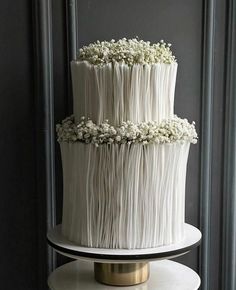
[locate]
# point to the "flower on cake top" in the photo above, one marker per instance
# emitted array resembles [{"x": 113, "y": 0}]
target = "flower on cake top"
[
  {"x": 168, "y": 131},
  {"x": 129, "y": 51}
]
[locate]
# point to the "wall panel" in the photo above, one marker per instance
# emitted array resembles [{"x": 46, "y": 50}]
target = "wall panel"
[
  {"x": 155, "y": 20},
  {"x": 18, "y": 205}
]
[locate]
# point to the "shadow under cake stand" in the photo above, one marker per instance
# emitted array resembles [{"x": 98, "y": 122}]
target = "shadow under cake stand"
[{"x": 121, "y": 267}]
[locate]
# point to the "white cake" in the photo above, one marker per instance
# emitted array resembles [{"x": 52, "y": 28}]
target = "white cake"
[
  {"x": 119, "y": 92},
  {"x": 124, "y": 152}
]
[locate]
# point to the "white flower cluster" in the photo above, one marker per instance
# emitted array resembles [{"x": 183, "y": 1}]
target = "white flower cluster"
[
  {"x": 168, "y": 131},
  {"x": 129, "y": 51}
]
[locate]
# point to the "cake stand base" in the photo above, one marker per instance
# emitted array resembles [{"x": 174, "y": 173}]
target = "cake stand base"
[
  {"x": 121, "y": 274},
  {"x": 121, "y": 256},
  {"x": 164, "y": 275}
]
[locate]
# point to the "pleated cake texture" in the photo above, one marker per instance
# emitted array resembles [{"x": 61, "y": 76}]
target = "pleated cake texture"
[
  {"x": 128, "y": 196},
  {"x": 124, "y": 196},
  {"x": 119, "y": 92}
]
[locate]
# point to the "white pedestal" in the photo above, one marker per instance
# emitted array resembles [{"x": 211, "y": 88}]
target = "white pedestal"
[
  {"x": 67, "y": 248},
  {"x": 164, "y": 275}
]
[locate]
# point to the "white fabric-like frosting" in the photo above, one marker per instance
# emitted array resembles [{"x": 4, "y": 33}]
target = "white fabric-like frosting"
[
  {"x": 124, "y": 196},
  {"x": 119, "y": 92}
]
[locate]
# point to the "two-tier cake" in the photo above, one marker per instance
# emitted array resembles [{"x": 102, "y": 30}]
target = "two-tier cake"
[{"x": 124, "y": 152}]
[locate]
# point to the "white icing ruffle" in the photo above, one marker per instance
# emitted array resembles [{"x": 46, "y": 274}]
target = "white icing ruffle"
[
  {"x": 119, "y": 92},
  {"x": 124, "y": 196}
]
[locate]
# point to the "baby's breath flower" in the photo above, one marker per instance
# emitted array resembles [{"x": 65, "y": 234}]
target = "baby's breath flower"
[
  {"x": 128, "y": 51},
  {"x": 168, "y": 131},
  {"x": 117, "y": 138}
]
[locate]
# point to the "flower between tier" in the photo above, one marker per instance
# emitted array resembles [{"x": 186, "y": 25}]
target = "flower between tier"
[{"x": 168, "y": 131}]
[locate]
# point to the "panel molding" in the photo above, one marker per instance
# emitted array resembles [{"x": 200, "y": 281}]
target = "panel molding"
[
  {"x": 44, "y": 91},
  {"x": 72, "y": 28},
  {"x": 206, "y": 138},
  {"x": 72, "y": 44},
  {"x": 229, "y": 185}
]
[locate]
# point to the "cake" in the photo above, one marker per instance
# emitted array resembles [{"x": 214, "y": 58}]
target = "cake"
[{"x": 124, "y": 151}]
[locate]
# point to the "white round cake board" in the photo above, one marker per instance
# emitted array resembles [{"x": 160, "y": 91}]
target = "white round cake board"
[
  {"x": 164, "y": 275},
  {"x": 65, "y": 247}
]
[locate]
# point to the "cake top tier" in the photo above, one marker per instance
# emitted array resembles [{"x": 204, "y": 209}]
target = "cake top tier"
[{"x": 129, "y": 51}]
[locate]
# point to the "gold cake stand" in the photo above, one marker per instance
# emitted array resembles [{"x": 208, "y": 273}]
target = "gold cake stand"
[
  {"x": 123, "y": 267},
  {"x": 121, "y": 274}
]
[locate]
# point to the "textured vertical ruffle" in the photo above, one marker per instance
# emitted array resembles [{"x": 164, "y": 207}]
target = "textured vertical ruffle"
[
  {"x": 124, "y": 196},
  {"x": 119, "y": 92}
]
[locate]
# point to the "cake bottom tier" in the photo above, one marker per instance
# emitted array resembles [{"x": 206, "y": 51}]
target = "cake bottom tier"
[{"x": 124, "y": 196}]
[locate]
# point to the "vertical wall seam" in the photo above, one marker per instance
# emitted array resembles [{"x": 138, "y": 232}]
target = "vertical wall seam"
[
  {"x": 45, "y": 111},
  {"x": 72, "y": 28},
  {"x": 206, "y": 138},
  {"x": 49, "y": 121},
  {"x": 229, "y": 176},
  {"x": 72, "y": 44}
]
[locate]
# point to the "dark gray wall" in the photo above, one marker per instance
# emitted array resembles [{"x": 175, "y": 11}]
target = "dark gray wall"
[
  {"x": 38, "y": 39},
  {"x": 18, "y": 206},
  {"x": 156, "y": 20}
]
